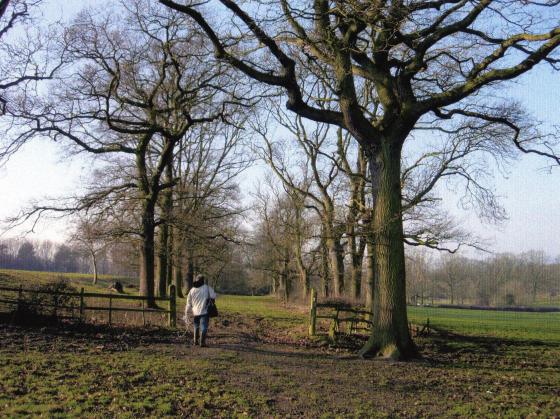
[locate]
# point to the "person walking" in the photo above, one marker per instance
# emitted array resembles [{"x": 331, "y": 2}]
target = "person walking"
[{"x": 197, "y": 306}]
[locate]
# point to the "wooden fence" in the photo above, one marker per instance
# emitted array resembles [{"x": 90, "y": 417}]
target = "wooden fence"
[
  {"x": 20, "y": 302},
  {"x": 338, "y": 313}
]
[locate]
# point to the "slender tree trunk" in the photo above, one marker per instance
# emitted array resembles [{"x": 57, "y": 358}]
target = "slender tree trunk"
[
  {"x": 302, "y": 270},
  {"x": 274, "y": 284},
  {"x": 178, "y": 264},
  {"x": 147, "y": 253},
  {"x": 168, "y": 211},
  {"x": 190, "y": 271},
  {"x": 325, "y": 274},
  {"x": 94, "y": 266},
  {"x": 170, "y": 256},
  {"x": 452, "y": 295},
  {"x": 390, "y": 335},
  {"x": 336, "y": 259},
  {"x": 162, "y": 260},
  {"x": 165, "y": 243},
  {"x": 285, "y": 278},
  {"x": 304, "y": 278},
  {"x": 356, "y": 251},
  {"x": 356, "y": 280}
]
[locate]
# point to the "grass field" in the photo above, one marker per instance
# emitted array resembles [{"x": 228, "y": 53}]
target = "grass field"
[
  {"x": 499, "y": 324},
  {"x": 259, "y": 364}
]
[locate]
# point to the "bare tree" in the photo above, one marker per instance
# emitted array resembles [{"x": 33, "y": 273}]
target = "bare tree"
[
  {"x": 313, "y": 178},
  {"x": 533, "y": 266},
  {"x": 419, "y": 57},
  {"x": 92, "y": 239},
  {"x": 205, "y": 197},
  {"x": 26, "y": 59},
  {"x": 136, "y": 87}
]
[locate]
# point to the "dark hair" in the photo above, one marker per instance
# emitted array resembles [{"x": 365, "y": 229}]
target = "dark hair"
[{"x": 199, "y": 281}]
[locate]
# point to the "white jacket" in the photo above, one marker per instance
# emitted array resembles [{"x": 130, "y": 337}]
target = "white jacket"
[{"x": 196, "y": 300}]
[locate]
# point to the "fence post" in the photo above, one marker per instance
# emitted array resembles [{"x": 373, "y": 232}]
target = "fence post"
[
  {"x": 82, "y": 305},
  {"x": 334, "y": 326},
  {"x": 172, "y": 315},
  {"x": 313, "y": 313},
  {"x": 143, "y": 314},
  {"x": 110, "y": 308}
]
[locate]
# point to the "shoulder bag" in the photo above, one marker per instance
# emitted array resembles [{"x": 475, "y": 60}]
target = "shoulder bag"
[{"x": 211, "y": 308}]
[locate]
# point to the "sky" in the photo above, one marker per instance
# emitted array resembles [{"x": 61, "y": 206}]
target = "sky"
[{"x": 528, "y": 191}]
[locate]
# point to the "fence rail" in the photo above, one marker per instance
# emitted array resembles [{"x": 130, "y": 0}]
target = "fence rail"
[
  {"x": 171, "y": 310},
  {"x": 356, "y": 318}
]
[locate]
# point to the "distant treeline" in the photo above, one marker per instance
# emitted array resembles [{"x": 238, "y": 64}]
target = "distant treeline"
[
  {"x": 117, "y": 259},
  {"x": 526, "y": 279}
]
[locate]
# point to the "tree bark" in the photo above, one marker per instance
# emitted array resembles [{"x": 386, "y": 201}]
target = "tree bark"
[
  {"x": 324, "y": 268},
  {"x": 370, "y": 275},
  {"x": 336, "y": 260},
  {"x": 390, "y": 336},
  {"x": 190, "y": 271},
  {"x": 356, "y": 251},
  {"x": 303, "y": 274},
  {"x": 178, "y": 263},
  {"x": 162, "y": 260},
  {"x": 94, "y": 266},
  {"x": 356, "y": 280},
  {"x": 147, "y": 253},
  {"x": 285, "y": 277}
]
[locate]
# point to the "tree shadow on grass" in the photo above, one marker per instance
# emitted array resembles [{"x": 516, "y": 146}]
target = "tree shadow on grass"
[
  {"x": 303, "y": 354},
  {"x": 485, "y": 352}
]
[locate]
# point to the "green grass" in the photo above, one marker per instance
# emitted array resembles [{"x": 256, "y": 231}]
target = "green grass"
[
  {"x": 500, "y": 324},
  {"x": 262, "y": 307},
  {"x": 103, "y": 372},
  {"x": 13, "y": 277},
  {"x": 154, "y": 384}
]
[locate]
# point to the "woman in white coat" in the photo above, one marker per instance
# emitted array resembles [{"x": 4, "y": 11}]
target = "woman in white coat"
[{"x": 197, "y": 302}]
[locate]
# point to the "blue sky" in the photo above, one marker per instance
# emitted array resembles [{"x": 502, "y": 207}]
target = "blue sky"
[{"x": 529, "y": 193}]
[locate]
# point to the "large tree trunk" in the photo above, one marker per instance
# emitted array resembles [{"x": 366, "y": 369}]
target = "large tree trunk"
[
  {"x": 370, "y": 275},
  {"x": 147, "y": 253},
  {"x": 390, "y": 334}
]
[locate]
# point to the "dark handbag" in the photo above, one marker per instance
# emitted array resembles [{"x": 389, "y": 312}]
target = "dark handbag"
[{"x": 211, "y": 308}]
